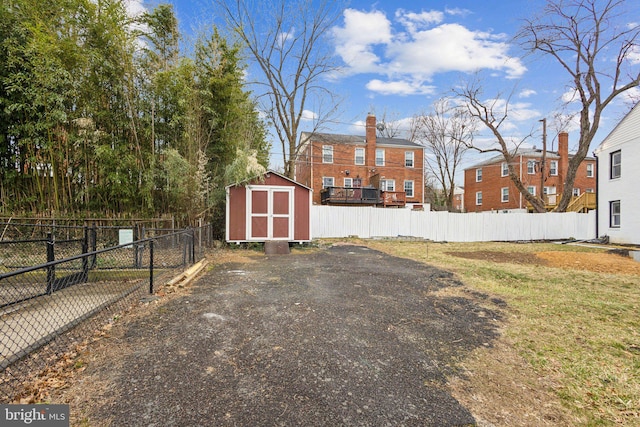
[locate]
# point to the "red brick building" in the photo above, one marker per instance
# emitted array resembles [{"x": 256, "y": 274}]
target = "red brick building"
[
  {"x": 487, "y": 186},
  {"x": 351, "y": 169}
]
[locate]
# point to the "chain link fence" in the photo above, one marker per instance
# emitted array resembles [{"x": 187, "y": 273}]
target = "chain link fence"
[{"x": 48, "y": 308}]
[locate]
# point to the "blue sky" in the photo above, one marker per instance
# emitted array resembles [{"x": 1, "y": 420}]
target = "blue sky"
[{"x": 401, "y": 56}]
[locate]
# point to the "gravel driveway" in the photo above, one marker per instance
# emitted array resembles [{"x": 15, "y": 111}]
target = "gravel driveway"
[{"x": 339, "y": 336}]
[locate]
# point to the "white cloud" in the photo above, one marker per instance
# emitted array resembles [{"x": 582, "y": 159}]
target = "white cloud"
[
  {"x": 284, "y": 36},
  {"x": 424, "y": 47},
  {"x": 356, "y": 39},
  {"x": 399, "y": 88},
  {"x": 414, "y": 22},
  {"x": 634, "y": 55},
  {"x": 134, "y": 7},
  {"x": 451, "y": 47},
  {"x": 457, "y": 11},
  {"x": 308, "y": 115},
  {"x": 526, "y": 93},
  {"x": 570, "y": 95}
]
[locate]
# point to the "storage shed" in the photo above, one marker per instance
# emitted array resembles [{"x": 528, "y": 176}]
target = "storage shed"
[{"x": 268, "y": 208}]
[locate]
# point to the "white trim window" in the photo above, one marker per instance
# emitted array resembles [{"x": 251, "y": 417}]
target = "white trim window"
[
  {"x": 615, "y": 159},
  {"x": 408, "y": 188},
  {"x": 532, "y": 189},
  {"x": 327, "y": 154},
  {"x": 478, "y": 198},
  {"x": 327, "y": 181},
  {"x": 589, "y": 170},
  {"x": 576, "y": 192},
  {"x": 504, "y": 192},
  {"x": 379, "y": 156},
  {"x": 408, "y": 159},
  {"x": 359, "y": 154},
  {"x": 348, "y": 182},
  {"x": 479, "y": 175},
  {"x": 388, "y": 185},
  {"x": 553, "y": 168},
  {"x": 614, "y": 214},
  {"x": 505, "y": 169},
  {"x": 531, "y": 167}
]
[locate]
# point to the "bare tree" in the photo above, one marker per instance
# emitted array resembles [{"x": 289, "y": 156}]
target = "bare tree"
[
  {"x": 389, "y": 125},
  {"x": 284, "y": 38},
  {"x": 593, "y": 41},
  {"x": 446, "y": 133},
  {"x": 493, "y": 113}
]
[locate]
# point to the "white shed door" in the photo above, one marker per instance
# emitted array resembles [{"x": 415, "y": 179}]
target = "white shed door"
[{"x": 270, "y": 213}]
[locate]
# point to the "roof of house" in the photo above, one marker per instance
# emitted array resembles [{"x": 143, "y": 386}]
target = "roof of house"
[
  {"x": 526, "y": 152},
  {"x": 357, "y": 139},
  {"x": 625, "y": 130}
]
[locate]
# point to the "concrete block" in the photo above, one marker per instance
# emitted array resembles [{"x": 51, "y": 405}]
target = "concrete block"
[{"x": 278, "y": 247}]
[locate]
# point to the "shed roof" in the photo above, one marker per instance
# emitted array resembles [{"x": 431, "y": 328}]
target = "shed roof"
[{"x": 248, "y": 180}]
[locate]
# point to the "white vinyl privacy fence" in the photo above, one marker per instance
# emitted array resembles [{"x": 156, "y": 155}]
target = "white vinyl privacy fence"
[{"x": 368, "y": 222}]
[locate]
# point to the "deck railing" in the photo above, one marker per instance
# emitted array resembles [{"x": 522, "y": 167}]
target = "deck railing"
[{"x": 350, "y": 196}]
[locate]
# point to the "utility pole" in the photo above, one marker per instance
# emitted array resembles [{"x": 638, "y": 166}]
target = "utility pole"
[{"x": 544, "y": 158}]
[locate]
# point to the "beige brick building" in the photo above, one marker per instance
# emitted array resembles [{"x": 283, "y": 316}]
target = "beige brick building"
[{"x": 352, "y": 169}]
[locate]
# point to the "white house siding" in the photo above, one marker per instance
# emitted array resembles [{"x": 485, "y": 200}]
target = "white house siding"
[
  {"x": 626, "y": 138},
  {"x": 369, "y": 222}
]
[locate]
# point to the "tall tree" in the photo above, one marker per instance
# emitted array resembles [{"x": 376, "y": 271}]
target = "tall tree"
[
  {"x": 446, "y": 133},
  {"x": 596, "y": 43},
  {"x": 493, "y": 114},
  {"x": 285, "y": 39}
]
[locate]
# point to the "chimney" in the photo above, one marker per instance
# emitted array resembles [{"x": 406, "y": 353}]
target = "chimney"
[
  {"x": 563, "y": 152},
  {"x": 371, "y": 141}
]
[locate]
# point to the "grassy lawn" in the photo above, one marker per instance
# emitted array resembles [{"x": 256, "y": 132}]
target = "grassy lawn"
[{"x": 577, "y": 331}]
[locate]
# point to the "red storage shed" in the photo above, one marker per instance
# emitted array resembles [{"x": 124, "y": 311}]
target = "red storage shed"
[{"x": 271, "y": 207}]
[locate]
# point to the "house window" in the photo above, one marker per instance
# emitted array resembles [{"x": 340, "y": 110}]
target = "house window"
[
  {"x": 589, "y": 190},
  {"x": 327, "y": 154},
  {"x": 614, "y": 214},
  {"x": 348, "y": 182},
  {"x": 327, "y": 181},
  {"x": 505, "y": 194},
  {"x": 408, "y": 188},
  {"x": 615, "y": 160},
  {"x": 388, "y": 185},
  {"x": 359, "y": 156},
  {"x": 589, "y": 170},
  {"x": 531, "y": 167},
  {"x": 478, "y": 198},
  {"x": 478, "y": 174},
  {"x": 505, "y": 169},
  {"x": 576, "y": 192},
  {"x": 408, "y": 159},
  {"x": 379, "y": 157},
  {"x": 549, "y": 190},
  {"x": 553, "y": 168},
  {"x": 531, "y": 189}
]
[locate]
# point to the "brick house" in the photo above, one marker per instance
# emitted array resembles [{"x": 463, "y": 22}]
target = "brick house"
[
  {"x": 487, "y": 186},
  {"x": 351, "y": 169}
]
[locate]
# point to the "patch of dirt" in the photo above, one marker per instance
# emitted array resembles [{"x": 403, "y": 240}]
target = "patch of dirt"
[{"x": 597, "y": 262}]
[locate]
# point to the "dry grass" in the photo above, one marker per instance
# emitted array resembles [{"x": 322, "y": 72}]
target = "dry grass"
[{"x": 570, "y": 350}]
